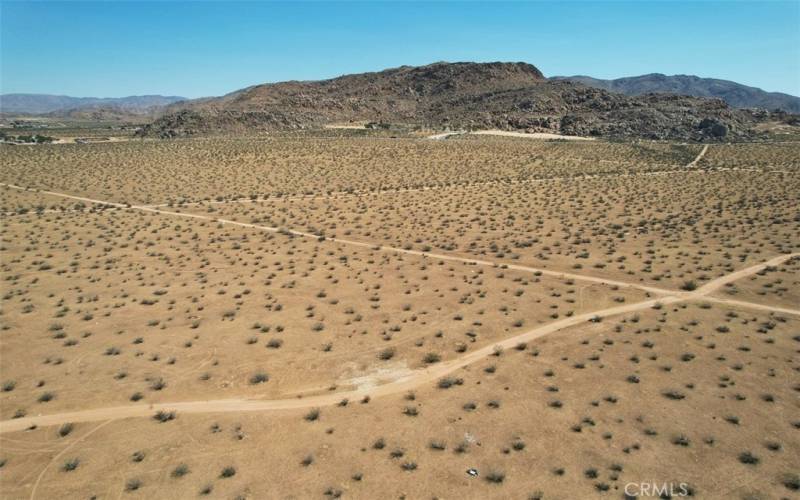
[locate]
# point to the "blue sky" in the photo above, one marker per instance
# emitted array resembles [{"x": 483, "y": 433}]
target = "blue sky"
[{"x": 111, "y": 49}]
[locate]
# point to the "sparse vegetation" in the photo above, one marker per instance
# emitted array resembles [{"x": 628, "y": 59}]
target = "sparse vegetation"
[
  {"x": 180, "y": 471},
  {"x": 71, "y": 464},
  {"x": 227, "y": 472},
  {"x": 177, "y": 307},
  {"x": 65, "y": 429},
  {"x": 164, "y": 416}
]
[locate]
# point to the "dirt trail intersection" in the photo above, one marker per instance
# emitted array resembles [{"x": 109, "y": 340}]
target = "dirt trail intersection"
[{"x": 407, "y": 380}]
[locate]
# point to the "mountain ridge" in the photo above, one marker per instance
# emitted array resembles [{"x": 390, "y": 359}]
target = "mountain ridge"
[
  {"x": 502, "y": 95},
  {"x": 735, "y": 94},
  {"x": 40, "y": 104}
]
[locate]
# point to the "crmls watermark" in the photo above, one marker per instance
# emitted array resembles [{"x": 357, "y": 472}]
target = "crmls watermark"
[{"x": 654, "y": 489}]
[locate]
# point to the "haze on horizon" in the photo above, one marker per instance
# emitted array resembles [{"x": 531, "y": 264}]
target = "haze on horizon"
[{"x": 204, "y": 49}]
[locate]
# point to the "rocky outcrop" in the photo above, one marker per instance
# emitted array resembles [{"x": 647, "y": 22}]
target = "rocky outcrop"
[{"x": 507, "y": 96}]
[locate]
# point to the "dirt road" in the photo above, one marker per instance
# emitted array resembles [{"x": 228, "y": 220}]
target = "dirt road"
[
  {"x": 492, "y": 182},
  {"x": 445, "y": 135},
  {"x": 407, "y": 381},
  {"x": 445, "y": 257},
  {"x": 697, "y": 158},
  {"x": 506, "y": 133},
  {"x": 533, "y": 135},
  {"x": 431, "y": 255}
]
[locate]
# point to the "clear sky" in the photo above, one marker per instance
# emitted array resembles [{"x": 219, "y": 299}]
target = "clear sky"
[{"x": 193, "y": 49}]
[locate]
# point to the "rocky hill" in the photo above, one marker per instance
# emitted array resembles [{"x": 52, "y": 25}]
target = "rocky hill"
[
  {"x": 735, "y": 94},
  {"x": 509, "y": 96}
]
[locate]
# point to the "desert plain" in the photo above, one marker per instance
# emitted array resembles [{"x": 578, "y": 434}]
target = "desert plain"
[{"x": 371, "y": 314}]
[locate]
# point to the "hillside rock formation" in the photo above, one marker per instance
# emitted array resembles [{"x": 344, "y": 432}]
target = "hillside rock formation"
[{"x": 507, "y": 96}]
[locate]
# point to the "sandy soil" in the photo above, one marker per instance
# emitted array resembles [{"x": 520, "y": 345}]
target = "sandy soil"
[
  {"x": 565, "y": 318},
  {"x": 601, "y": 436},
  {"x": 396, "y": 381},
  {"x": 699, "y": 157}
]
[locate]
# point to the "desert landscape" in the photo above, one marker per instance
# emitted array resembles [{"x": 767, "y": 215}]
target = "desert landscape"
[
  {"x": 481, "y": 315},
  {"x": 399, "y": 250}
]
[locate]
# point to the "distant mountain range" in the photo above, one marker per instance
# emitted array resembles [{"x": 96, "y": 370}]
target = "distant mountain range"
[
  {"x": 465, "y": 95},
  {"x": 500, "y": 95},
  {"x": 735, "y": 94},
  {"x": 39, "y": 104}
]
